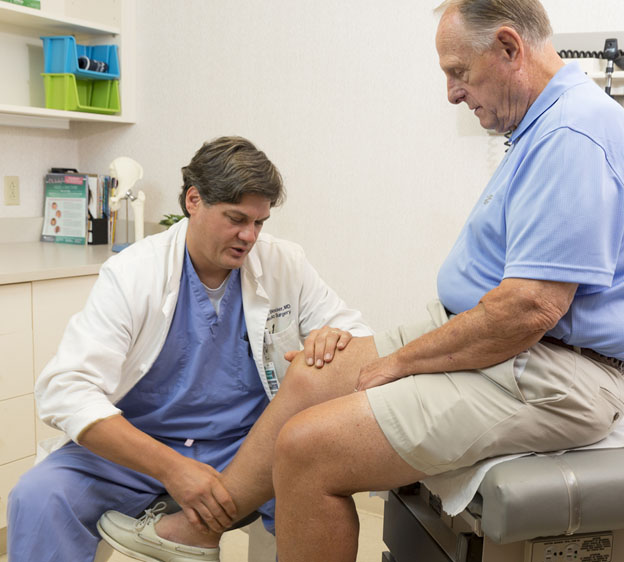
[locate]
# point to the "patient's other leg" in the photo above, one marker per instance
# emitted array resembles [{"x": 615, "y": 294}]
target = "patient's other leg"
[
  {"x": 323, "y": 455},
  {"x": 249, "y": 476}
]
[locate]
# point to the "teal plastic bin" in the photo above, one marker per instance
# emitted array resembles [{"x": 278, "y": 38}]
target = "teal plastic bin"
[
  {"x": 65, "y": 91},
  {"x": 61, "y": 54}
]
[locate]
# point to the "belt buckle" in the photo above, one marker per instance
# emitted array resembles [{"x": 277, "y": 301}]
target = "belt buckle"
[{"x": 617, "y": 364}]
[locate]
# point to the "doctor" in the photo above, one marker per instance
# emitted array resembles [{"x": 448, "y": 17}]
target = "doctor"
[{"x": 178, "y": 351}]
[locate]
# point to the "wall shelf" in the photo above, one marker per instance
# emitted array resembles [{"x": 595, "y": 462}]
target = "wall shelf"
[
  {"x": 11, "y": 114},
  {"x": 22, "y": 99},
  {"x": 47, "y": 24}
]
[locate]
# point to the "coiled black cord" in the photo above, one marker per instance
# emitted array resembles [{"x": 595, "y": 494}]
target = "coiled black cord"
[
  {"x": 574, "y": 54},
  {"x": 507, "y": 143}
]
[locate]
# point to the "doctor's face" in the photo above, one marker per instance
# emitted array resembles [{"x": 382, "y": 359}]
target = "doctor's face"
[{"x": 220, "y": 236}]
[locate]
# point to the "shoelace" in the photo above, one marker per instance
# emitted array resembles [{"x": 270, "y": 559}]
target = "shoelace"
[{"x": 150, "y": 514}]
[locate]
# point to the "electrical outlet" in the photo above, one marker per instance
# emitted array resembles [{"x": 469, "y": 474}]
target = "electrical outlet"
[{"x": 11, "y": 190}]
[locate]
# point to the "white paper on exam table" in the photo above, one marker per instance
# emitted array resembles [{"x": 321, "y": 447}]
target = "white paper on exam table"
[{"x": 457, "y": 488}]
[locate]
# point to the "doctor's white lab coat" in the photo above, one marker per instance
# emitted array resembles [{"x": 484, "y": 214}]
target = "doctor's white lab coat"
[{"x": 115, "y": 339}]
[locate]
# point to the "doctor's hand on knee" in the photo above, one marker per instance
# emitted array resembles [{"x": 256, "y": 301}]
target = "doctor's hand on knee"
[
  {"x": 321, "y": 346},
  {"x": 197, "y": 488}
]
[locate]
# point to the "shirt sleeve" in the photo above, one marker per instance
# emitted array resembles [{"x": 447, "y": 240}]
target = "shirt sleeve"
[
  {"x": 74, "y": 389},
  {"x": 564, "y": 213}
]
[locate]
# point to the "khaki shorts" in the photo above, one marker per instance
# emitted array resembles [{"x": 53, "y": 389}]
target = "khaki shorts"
[{"x": 444, "y": 421}]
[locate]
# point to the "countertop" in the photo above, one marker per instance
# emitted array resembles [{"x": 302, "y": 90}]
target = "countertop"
[{"x": 21, "y": 262}]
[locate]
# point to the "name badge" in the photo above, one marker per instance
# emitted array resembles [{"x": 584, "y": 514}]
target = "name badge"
[{"x": 269, "y": 366}]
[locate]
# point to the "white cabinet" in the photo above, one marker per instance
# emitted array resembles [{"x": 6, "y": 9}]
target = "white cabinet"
[
  {"x": 22, "y": 99},
  {"x": 32, "y": 320},
  {"x": 17, "y": 418},
  {"x": 16, "y": 367},
  {"x": 54, "y": 302}
]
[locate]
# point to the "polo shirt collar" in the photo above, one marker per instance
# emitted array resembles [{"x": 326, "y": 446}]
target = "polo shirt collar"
[{"x": 567, "y": 77}]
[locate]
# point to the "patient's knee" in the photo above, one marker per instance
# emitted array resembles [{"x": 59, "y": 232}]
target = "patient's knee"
[
  {"x": 313, "y": 385},
  {"x": 304, "y": 381},
  {"x": 296, "y": 445}
]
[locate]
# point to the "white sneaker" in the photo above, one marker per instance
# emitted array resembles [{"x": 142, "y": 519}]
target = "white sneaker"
[{"x": 137, "y": 538}]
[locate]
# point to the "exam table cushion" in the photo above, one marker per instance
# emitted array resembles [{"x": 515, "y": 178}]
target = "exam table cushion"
[{"x": 541, "y": 496}]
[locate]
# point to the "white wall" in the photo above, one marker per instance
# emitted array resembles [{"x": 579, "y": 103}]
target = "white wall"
[
  {"x": 348, "y": 101},
  {"x": 28, "y": 154}
]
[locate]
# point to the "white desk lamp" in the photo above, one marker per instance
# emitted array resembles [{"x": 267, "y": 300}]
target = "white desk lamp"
[{"x": 127, "y": 172}]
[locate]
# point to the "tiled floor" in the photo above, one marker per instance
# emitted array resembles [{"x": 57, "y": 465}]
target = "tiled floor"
[{"x": 234, "y": 544}]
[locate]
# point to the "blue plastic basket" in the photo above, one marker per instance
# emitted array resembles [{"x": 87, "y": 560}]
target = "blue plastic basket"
[{"x": 61, "y": 53}]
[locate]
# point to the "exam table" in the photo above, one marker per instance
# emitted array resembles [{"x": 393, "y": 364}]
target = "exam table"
[{"x": 545, "y": 508}]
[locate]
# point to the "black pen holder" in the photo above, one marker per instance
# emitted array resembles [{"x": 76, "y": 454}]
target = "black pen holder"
[{"x": 98, "y": 231}]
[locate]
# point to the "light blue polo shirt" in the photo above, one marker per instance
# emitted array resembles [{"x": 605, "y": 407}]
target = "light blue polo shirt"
[{"x": 554, "y": 210}]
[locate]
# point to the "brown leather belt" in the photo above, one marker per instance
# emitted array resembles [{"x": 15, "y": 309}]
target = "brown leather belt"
[{"x": 609, "y": 361}]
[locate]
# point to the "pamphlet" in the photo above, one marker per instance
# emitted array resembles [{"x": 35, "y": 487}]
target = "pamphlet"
[{"x": 65, "y": 208}]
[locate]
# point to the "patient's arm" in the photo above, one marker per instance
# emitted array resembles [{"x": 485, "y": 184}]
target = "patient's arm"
[{"x": 508, "y": 320}]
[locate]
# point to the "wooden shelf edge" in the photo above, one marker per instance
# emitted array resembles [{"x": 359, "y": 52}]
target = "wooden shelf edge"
[
  {"x": 39, "y": 116},
  {"x": 45, "y": 22}
]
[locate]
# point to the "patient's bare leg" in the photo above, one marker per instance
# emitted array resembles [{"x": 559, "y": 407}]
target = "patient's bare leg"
[
  {"x": 323, "y": 455},
  {"x": 248, "y": 478}
]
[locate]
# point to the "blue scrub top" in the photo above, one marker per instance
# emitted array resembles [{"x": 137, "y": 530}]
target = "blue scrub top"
[{"x": 204, "y": 386}]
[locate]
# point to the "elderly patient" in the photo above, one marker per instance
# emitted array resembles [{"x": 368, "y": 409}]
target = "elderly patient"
[{"x": 524, "y": 349}]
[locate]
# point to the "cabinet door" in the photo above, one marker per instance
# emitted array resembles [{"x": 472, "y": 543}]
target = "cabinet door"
[
  {"x": 17, "y": 438},
  {"x": 16, "y": 367},
  {"x": 55, "y": 301}
]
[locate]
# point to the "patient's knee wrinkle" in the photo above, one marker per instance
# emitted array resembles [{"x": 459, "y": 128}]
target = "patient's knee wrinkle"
[{"x": 311, "y": 385}]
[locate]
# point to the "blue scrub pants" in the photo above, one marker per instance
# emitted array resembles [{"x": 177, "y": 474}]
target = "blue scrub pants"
[{"x": 65, "y": 495}]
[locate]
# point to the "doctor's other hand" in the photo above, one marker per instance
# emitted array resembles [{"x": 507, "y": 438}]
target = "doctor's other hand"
[
  {"x": 197, "y": 488},
  {"x": 321, "y": 345},
  {"x": 378, "y": 372}
]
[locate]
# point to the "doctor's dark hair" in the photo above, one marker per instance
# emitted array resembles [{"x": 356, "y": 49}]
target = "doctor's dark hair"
[
  {"x": 483, "y": 17},
  {"x": 227, "y": 168}
]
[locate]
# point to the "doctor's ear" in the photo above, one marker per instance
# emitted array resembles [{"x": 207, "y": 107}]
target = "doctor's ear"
[{"x": 193, "y": 199}]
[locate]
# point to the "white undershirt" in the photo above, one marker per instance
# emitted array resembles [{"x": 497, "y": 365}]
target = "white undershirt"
[{"x": 216, "y": 295}]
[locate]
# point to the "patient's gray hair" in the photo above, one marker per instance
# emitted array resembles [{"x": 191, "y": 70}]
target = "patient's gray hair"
[
  {"x": 227, "y": 168},
  {"x": 483, "y": 17}
]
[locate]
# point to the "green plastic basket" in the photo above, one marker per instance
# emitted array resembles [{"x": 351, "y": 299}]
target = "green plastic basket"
[
  {"x": 36, "y": 4},
  {"x": 64, "y": 91}
]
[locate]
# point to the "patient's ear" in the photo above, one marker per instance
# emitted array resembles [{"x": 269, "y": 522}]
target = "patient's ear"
[{"x": 509, "y": 44}]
